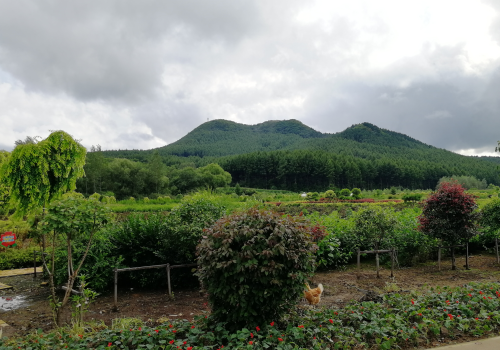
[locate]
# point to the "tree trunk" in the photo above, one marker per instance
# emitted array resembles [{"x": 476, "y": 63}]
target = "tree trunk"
[{"x": 453, "y": 265}]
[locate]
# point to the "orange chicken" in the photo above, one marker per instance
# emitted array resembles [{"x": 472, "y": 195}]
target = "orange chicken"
[{"x": 313, "y": 296}]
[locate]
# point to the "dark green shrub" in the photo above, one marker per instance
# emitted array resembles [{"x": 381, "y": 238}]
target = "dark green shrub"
[
  {"x": 345, "y": 193},
  {"x": 412, "y": 197},
  {"x": 329, "y": 254},
  {"x": 156, "y": 239},
  {"x": 356, "y": 193},
  {"x": 13, "y": 258},
  {"x": 254, "y": 265}
]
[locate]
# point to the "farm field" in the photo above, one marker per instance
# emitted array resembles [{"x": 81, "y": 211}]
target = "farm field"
[{"x": 341, "y": 288}]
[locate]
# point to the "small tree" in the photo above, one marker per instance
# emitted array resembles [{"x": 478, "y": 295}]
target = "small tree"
[
  {"x": 71, "y": 218},
  {"x": 490, "y": 219},
  {"x": 254, "y": 265},
  {"x": 450, "y": 215},
  {"x": 37, "y": 173},
  {"x": 375, "y": 225}
]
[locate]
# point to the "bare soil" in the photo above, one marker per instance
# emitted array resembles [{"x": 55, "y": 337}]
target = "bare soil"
[{"x": 151, "y": 305}]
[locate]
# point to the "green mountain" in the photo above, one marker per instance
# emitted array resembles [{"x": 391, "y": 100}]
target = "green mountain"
[
  {"x": 290, "y": 155},
  {"x": 221, "y": 137}
]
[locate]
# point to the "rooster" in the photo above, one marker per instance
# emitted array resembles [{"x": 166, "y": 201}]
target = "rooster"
[{"x": 313, "y": 296}]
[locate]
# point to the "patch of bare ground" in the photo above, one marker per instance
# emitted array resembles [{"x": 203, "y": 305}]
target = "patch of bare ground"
[{"x": 341, "y": 287}]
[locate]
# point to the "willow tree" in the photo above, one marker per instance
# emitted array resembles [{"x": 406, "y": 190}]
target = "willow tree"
[{"x": 39, "y": 172}]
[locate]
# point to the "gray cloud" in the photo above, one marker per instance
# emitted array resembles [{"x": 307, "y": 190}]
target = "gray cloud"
[
  {"x": 143, "y": 74},
  {"x": 112, "y": 50}
]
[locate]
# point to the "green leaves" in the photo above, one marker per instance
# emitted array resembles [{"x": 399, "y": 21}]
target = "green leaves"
[
  {"x": 254, "y": 263},
  {"x": 40, "y": 172}
]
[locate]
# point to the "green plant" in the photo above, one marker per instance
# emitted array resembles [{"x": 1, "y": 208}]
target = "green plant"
[
  {"x": 356, "y": 193},
  {"x": 345, "y": 193},
  {"x": 254, "y": 265},
  {"x": 329, "y": 254},
  {"x": 81, "y": 303},
  {"x": 72, "y": 218},
  {"x": 330, "y": 195},
  {"x": 450, "y": 215}
]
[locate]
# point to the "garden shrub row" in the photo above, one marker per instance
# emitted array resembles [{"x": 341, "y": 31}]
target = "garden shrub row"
[{"x": 399, "y": 321}]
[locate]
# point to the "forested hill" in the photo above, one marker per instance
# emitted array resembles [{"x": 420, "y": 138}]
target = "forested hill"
[
  {"x": 290, "y": 155},
  {"x": 221, "y": 137}
]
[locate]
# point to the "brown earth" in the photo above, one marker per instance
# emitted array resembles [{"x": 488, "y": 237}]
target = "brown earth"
[{"x": 151, "y": 305}]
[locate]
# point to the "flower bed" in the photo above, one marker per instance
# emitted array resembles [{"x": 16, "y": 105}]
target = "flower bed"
[{"x": 407, "y": 321}]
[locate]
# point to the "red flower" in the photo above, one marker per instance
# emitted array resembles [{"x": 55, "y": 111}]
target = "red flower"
[
  {"x": 250, "y": 342},
  {"x": 301, "y": 326},
  {"x": 251, "y": 335},
  {"x": 140, "y": 328},
  {"x": 170, "y": 326},
  {"x": 189, "y": 348},
  {"x": 192, "y": 327},
  {"x": 272, "y": 323},
  {"x": 280, "y": 339},
  {"x": 257, "y": 328},
  {"x": 156, "y": 330},
  {"x": 450, "y": 316},
  {"x": 109, "y": 344},
  {"x": 171, "y": 342},
  {"x": 174, "y": 331},
  {"x": 331, "y": 321}
]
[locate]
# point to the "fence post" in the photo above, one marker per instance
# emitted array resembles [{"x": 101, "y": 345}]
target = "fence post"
[
  {"x": 467, "y": 257},
  {"x": 34, "y": 262},
  {"x": 392, "y": 262},
  {"x": 496, "y": 248},
  {"x": 168, "y": 281},
  {"x": 439, "y": 258},
  {"x": 376, "y": 259},
  {"x": 116, "y": 290}
]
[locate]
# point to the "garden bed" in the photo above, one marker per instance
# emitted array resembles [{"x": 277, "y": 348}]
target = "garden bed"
[{"x": 340, "y": 288}]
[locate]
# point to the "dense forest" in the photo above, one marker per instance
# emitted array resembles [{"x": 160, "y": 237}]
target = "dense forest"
[{"x": 283, "y": 155}]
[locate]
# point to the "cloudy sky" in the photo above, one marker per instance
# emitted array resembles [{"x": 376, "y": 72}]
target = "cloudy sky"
[{"x": 141, "y": 74}]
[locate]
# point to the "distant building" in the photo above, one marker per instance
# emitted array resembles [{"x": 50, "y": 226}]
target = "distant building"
[{"x": 303, "y": 195}]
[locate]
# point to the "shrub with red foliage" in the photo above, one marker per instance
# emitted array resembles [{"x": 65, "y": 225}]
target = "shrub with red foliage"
[{"x": 449, "y": 214}]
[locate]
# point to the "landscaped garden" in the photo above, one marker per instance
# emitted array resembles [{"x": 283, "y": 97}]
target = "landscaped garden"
[{"x": 254, "y": 251}]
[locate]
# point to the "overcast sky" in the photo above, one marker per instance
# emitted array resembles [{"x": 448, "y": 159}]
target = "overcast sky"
[{"x": 141, "y": 74}]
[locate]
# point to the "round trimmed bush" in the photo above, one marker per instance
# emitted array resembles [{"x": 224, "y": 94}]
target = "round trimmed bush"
[{"x": 253, "y": 265}]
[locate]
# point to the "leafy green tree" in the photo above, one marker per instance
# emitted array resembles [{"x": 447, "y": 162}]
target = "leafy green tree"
[
  {"x": 450, "y": 214},
  {"x": 157, "y": 170},
  {"x": 71, "y": 218},
  {"x": 254, "y": 265},
  {"x": 95, "y": 168},
  {"x": 374, "y": 225},
  {"x": 213, "y": 176},
  {"x": 490, "y": 218},
  {"x": 37, "y": 173},
  {"x": 238, "y": 190}
]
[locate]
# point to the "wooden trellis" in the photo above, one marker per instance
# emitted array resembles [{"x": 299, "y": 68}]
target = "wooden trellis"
[
  {"x": 167, "y": 266},
  {"x": 377, "y": 252}
]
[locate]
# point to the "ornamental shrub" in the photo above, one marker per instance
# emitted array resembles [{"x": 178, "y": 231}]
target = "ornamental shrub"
[
  {"x": 450, "y": 215},
  {"x": 356, "y": 192},
  {"x": 253, "y": 265}
]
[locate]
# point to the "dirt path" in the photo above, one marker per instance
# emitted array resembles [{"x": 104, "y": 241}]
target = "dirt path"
[{"x": 340, "y": 287}]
